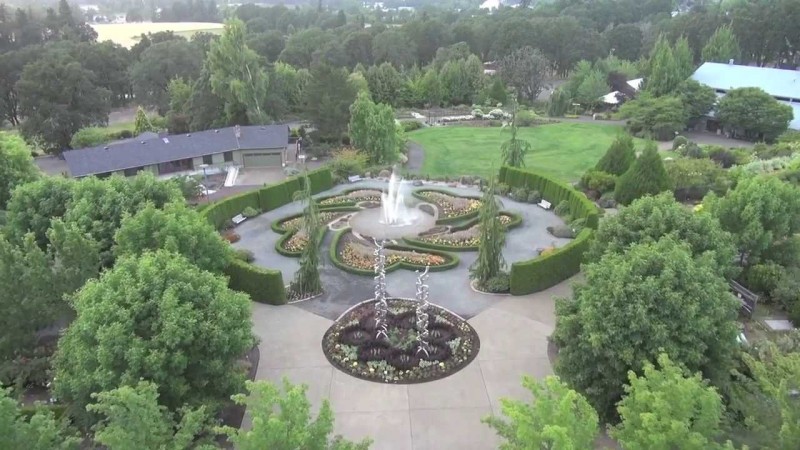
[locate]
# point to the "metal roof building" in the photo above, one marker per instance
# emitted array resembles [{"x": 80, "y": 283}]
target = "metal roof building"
[{"x": 782, "y": 84}]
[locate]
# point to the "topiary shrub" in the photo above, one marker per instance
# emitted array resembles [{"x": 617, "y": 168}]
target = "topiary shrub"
[
  {"x": 499, "y": 284},
  {"x": 519, "y": 194},
  {"x": 562, "y": 231},
  {"x": 646, "y": 176},
  {"x": 678, "y": 141},
  {"x": 562, "y": 209},
  {"x": 692, "y": 150},
  {"x": 596, "y": 180},
  {"x": 250, "y": 212},
  {"x": 619, "y": 156},
  {"x": 534, "y": 197},
  {"x": 245, "y": 255}
]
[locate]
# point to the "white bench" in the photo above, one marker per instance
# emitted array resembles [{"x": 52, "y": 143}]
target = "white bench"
[
  {"x": 354, "y": 178},
  {"x": 237, "y": 219},
  {"x": 545, "y": 204}
]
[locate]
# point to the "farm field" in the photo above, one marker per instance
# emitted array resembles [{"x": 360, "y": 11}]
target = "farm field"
[
  {"x": 127, "y": 34},
  {"x": 564, "y": 150}
]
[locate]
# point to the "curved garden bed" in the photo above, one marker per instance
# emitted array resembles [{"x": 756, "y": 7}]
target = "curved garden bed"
[
  {"x": 350, "y": 198},
  {"x": 359, "y": 261},
  {"x": 351, "y": 345},
  {"x": 461, "y": 238},
  {"x": 452, "y": 208}
]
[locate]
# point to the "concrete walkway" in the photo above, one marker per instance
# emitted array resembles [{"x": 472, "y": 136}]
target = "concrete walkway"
[{"x": 440, "y": 415}]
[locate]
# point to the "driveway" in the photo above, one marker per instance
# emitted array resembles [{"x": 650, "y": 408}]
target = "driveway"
[
  {"x": 439, "y": 415},
  {"x": 260, "y": 176},
  {"x": 52, "y": 165}
]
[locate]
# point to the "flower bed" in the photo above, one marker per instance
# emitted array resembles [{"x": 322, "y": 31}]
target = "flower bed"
[
  {"x": 293, "y": 223},
  {"x": 351, "y": 198},
  {"x": 451, "y": 207},
  {"x": 351, "y": 345},
  {"x": 463, "y": 238},
  {"x": 355, "y": 256}
]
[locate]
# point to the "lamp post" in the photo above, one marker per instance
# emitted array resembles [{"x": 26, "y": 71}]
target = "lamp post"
[{"x": 205, "y": 181}]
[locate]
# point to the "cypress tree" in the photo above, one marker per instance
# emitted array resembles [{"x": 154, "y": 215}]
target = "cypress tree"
[
  {"x": 645, "y": 176},
  {"x": 722, "y": 46},
  {"x": 142, "y": 124},
  {"x": 306, "y": 281},
  {"x": 619, "y": 156},
  {"x": 514, "y": 150},
  {"x": 490, "y": 260}
]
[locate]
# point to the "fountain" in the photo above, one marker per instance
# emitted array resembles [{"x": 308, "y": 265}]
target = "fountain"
[{"x": 393, "y": 207}]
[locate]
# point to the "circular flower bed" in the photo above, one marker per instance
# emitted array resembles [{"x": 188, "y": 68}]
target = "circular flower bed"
[{"x": 351, "y": 344}]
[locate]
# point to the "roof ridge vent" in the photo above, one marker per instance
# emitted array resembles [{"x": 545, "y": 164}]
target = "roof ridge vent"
[
  {"x": 105, "y": 148},
  {"x": 188, "y": 134},
  {"x": 143, "y": 142}
]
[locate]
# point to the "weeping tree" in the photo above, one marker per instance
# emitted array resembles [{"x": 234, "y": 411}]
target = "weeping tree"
[
  {"x": 514, "y": 150},
  {"x": 306, "y": 281},
  {"x": 490, "y": 262}
]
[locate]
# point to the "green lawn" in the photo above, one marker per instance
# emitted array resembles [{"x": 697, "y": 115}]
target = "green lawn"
[{"x": 564, "y": 150}]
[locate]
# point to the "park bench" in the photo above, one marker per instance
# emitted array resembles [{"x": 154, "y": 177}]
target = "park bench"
[
  {"x": 237, "y": 219},
  {"x": 545, "y": 204},
  {"x": 354, "y": 178}
]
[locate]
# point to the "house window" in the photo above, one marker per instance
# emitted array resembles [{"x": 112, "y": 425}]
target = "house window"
[
  {"x": 208, "y": 159},
  {"x": 228, "y": 156},
  {"x": 175, "y": 166}
]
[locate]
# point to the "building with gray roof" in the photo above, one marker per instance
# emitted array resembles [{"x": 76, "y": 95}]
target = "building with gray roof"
[{"x": 247, "y": 146}]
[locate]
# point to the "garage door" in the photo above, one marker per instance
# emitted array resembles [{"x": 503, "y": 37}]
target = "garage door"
[{"x": 262, "y": 159}]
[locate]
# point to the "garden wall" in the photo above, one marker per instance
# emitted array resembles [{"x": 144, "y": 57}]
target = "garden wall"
[
  {"x": 545, "y": 271},
  {"x": 263, "y": 285}
]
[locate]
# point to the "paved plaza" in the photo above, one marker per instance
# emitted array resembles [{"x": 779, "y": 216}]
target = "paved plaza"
[{"x": 438, "y": 415}]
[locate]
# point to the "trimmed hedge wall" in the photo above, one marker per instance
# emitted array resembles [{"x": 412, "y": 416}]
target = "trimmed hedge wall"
[
  {"x": 334, "y": 255},
  {"x": 263, "y": 285},
  {"x": 545, "y": 271},
  {"x": 553, "y": 191}
]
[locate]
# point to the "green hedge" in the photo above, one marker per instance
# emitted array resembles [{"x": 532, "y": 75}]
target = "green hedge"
[
  {"x": 334, "y": 255},
  {"x": 553, "y": 191},
  {"x": 546, "y": 271},
  {"x": 279, "y": 244},
  {"x": 263, "y": 285},
  {"x": 543, "y": 272},
  {"x": 516, "y": 220}
]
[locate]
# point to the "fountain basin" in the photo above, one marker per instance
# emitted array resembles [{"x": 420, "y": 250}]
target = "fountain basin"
[{"x": 369, "y": 222}]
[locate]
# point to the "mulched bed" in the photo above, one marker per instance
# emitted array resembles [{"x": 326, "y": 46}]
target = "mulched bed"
[{"x": 352, "y": 347}]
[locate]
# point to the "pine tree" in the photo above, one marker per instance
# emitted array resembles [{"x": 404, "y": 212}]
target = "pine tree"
[
  {"x": 306, "y": 281},
  {"x": 722, "y": 46},
  {"x": 490, "y": 262},
  {"x": 645, "y": 176},
  {"x": 619, "y": 156},
  {"x": 664, "y": 70},
  {"x": 684, "y": 58},
  {"x": 514, "y": 150},
  {"x": 142, "y": 124}
]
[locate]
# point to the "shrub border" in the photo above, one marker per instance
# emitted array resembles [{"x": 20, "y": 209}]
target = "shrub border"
[
  {"x": 334, "y": 255},
  {"x": 516, "y": 220},
  {"x": 262, "y": 284},
  {"x": 542, "y": 272}
]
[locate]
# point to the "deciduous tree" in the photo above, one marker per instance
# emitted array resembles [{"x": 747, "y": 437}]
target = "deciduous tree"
[
  {"x": 698, "y": 99},
  {"x": 557, "y": 418},
  {"x": 655, "y": 117},
  {"x": 282, "y": 421},
  {"x": 159, "y": 65},
  {"x": 327, "y": 100},
  {"x": 655, "y": 297},
  {"x": 16, "y": 166},
  {"x": 394, "y": 47},
  {"x": 34, "y": 205},
  {"x": 753, "y": 113},
  {"x": 42, "y": 431},
  {"x": 526, "y": 70},
  {"x": 645, "y": 176},
  {"x": 154, "y": 318}
]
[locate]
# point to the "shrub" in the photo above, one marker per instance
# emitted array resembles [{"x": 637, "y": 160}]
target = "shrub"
[
  {"x": 787, "y": 292},
  {"x": 534, "y": 197},
  {"x": 498, "y": 284},
  {"x": 764, "y": 278},
  {"x": 410, "y": 125},
  {"x": 596, "y": 180},
  {"x": 607, "y": 200},
  {"x": 502, "y": 189},
  {"x": 347, "y": 162},
  {"x": 619, "y": 156},
  {"x": 789, "y": 136},
  {"x": 90, "y": 137},
  {"x": 263, "y": 285},
  {"x": 320, "y": 150},
  {"x": 562, "y": 231},
  {"x": 646, "y": 176},
  {"x": 231, "y": 237},
  {"x": 519, "y": 194},
  {"x": 245, "y": 255},
  {"x": 578, "y": 225},
  {"x": 678, "y": 141},
  {"x": 495, "y": 123},
  {"x": 526, "y": 118},
  {"x": 692, "y": 179},
  {"x": 250, "y": 212},
  {"x": 291, "y": 171},
  {"x": 721, "y": 156},
  {"x": 123, "y": 134},
  {"x": 189, "y": 186},
  {"x": 562, "y": 208}
]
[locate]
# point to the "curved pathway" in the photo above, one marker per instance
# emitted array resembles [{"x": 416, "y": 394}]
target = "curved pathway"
[{"x": 440, "y": 415}]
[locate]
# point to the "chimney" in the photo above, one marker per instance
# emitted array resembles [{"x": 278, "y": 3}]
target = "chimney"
[{"x": 237, "y": 131}]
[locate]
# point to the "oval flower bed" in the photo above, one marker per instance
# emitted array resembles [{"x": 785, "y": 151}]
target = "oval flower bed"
[
  {"x": 292, "y": 244},
  {"x": 351, "y": 345},
  {"x": 355, "y": 256},
  {"x": 351, "y": 198},
  {"x": 451, "y": 207}
]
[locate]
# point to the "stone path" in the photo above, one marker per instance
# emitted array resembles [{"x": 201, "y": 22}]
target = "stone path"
[{"x": 441, "y": 415}]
